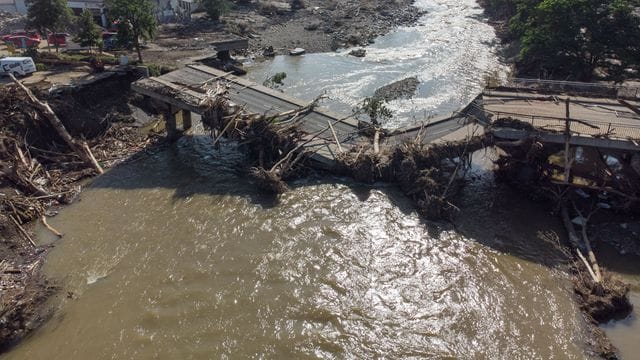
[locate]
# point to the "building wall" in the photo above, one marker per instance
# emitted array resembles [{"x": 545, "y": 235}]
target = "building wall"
[{"x": 13, "y": 6}]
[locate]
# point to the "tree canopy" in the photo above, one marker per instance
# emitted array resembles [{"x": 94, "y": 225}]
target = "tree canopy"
[
  {"x": 136, "y": 21},
  {"x": 48, "y": 16},
  {"x": 216, "y": 8},
  {"x": 572, "y": 38},
  {"x": 88, "y": 31}
]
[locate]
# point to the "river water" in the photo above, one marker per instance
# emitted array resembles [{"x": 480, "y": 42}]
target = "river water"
[
  {"x": 451, "y": 51},
  {"x": 177, "y": 256}
]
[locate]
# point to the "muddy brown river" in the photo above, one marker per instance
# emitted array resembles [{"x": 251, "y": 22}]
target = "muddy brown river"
[{"x": 178, "y": 257}]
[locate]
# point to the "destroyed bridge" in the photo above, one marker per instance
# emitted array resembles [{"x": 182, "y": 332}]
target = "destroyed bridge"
[{"x": 600, "y": 116}]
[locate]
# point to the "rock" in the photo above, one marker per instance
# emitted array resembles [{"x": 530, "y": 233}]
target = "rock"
[
  {"x": 313, "y": 26},
  {"x": 358, "y": 52},
  {"x": 353, "y": 38},
  {"x": 400, "y": 89},
  {"x": 297, "y": 51},
  {"x": 269, "y": 52}
]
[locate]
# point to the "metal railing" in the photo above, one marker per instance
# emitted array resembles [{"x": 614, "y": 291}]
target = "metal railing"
[
  {"x": 577, "y": 127},
  {"x": 575, "y": 88}
]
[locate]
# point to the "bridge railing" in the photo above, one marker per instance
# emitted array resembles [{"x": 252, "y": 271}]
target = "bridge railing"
[
  {"x": 576, "y": 126},
  {"x": 574, "y": 87}
]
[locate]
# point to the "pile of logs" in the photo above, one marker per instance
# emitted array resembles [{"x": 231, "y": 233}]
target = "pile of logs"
[
  {"x": 274, "y": 140},
  {"x": 425, "y": 172}
]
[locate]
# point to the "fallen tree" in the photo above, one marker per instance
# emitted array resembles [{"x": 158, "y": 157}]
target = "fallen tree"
[
  {"x": 425, "y": 172},
  {"x": 576, "y": 194}
]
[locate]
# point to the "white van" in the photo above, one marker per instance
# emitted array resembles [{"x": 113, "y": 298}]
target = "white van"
[{"x": 19, "y": 66}]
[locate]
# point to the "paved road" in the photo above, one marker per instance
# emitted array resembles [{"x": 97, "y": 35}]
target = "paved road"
[{"x": 549, "y": 112}]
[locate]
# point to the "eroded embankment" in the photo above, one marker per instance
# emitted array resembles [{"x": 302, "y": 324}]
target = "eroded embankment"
[{"x": 39, "y": 173}]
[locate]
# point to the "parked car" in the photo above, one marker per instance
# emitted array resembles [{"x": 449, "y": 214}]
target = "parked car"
[
  {"x": 18, "y": 66},
  {"x": 30, "y": 34},
  {"x": 110, "y": 42},
  {"x": 22, "y": 41},
  {"x": 59, "y": 39}
]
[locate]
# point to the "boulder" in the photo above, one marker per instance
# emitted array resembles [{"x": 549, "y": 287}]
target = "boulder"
[{"x": 358, "y": 52}]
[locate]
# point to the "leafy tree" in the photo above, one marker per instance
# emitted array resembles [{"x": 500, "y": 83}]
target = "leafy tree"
[
  {"x": 571, "y": 38},
  {"x": 48, "y": 16},
  {"x": 88, "y": 31},
  {"x": 376, "y": 109},
  {"x": 276, "y": 80},
  {"x": 137, "y": 21},
  {"x": 216, "y": 8}
]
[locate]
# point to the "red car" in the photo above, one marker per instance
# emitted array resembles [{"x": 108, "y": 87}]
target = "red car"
[
  {"x": 22, "y": 42},
  {"x": 59, "y": 39},
  {"x": 29, "y": 34}
]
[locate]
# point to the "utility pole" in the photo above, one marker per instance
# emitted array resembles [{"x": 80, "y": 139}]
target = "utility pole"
[{"x": 567, "y": 138}]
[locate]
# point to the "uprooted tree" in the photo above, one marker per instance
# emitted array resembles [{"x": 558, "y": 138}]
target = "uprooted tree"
[
  {"x": 426, "y": 173},
  {"x": 547, "y": 171}
]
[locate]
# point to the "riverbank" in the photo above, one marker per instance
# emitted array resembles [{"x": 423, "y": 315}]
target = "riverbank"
[
  {"x": 41, "y": 175},
  {"x": 321, "y": 26}
]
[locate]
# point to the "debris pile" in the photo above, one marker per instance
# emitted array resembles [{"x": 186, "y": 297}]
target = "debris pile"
[
  {"x": 274, "y": 140},
  {"x": 40, "y": 167},
  {"x": 427, "y": 173}
]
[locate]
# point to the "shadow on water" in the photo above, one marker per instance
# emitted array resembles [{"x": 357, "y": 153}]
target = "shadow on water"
[{"x": 492, "y": 214}]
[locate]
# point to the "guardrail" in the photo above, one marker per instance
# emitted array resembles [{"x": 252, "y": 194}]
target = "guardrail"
[
  {"x": 574, "y": 87},
  {"x": 576, "y": 126}
]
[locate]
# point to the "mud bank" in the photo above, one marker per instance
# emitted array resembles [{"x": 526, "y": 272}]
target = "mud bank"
[{"x": 39, "y": 175}]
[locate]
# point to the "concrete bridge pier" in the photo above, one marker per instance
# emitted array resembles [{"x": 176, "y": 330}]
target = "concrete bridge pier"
[{"x": 174, "y": 116}]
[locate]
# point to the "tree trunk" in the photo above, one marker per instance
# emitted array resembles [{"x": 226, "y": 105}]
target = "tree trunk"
[{"x": 80, "y": 148}]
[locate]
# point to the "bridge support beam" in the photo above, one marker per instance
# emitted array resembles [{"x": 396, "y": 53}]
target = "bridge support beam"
[
  {"x": 171, "y": 123},
  {"x": 186, "y": 120},
  {"x": 175, "y": 116}
]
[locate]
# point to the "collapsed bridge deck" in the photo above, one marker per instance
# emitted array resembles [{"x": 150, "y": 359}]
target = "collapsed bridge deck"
[{"x": 183, "y": 90}]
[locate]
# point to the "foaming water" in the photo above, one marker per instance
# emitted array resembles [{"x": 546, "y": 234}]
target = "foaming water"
[
  {"x": 451, "y": 51},
  {"x": 178, "y": 257}
]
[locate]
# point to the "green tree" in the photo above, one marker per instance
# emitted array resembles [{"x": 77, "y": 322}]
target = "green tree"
[
  {"x": 276, "y": 80},
  {"x": 571, "y": 38},
  {"x": 88, "y": 31},
  {"x": 48, "y": 16},
  {"x": 216, "y": 8},
  {"x": 137, "y": 21},
  {"x": 376, "y": 109}
]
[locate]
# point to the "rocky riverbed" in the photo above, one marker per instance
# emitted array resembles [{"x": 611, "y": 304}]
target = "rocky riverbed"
[{"x": 321, "y": 26}]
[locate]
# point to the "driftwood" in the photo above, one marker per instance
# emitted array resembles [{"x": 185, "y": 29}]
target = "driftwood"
[
  {"x": 592, "y": 265},
  {"x": 57, "y": 233},
  {"x": 79, "y": 147},
  {"x": 335, "y": 137},
  {"x": 22, "y": 231}
]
